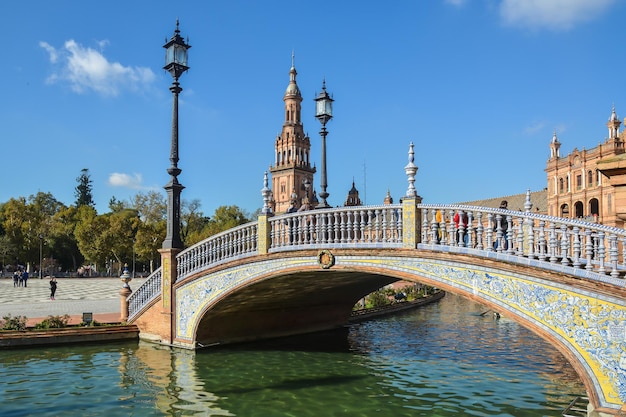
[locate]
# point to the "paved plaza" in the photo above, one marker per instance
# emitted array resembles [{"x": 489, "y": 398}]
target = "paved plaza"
[{"x": 74, "y": 296}]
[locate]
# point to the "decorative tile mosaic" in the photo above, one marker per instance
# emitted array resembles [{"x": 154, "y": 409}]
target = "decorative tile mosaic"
[{"x": 593, "y": 327}]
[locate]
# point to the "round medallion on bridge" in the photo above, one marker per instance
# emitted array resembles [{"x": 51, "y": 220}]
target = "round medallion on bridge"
[{"x": 325, "y": 259}]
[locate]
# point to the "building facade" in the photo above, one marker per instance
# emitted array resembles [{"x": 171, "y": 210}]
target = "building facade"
[{"x": 589, "y": 184}]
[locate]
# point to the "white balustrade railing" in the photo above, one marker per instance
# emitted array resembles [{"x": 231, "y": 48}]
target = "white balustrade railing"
[
  {"x": 552, "y": 240},
  {"x": 148, "y": 291},
  {"x": 357, "y": 226},
  {"x": 234, "y": 243},
  {"x": 553, "y": 243}
]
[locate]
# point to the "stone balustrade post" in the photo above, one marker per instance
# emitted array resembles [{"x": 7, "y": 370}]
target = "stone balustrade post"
[
  {"x": 411, "y": 222},
  {"x": 125, "y": 292},
  {"x": 169, "y": 274},
  {"x": 264, "y": 234}
]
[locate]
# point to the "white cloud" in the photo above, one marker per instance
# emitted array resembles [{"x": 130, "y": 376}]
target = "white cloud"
[
  {"x": 118, "y": 179},
  {"x": 551, "y": 14},
  {"x": 54, "y": 57},
  {"x": 88, "y": 69}
]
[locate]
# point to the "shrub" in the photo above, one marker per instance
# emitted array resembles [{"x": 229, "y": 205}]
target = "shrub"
[
  {"x": 14, "y": 323},
  {"x": 54, "y": 322}
]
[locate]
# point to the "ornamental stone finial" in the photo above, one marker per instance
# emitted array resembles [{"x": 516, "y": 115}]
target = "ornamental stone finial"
[
  {"x": 266, "y": 192},
  {"x": 411, "y": 170},
  {"x": 527, "y": 204}
]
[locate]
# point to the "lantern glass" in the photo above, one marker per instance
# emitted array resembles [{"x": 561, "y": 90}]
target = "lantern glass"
[
  {"x": 176, "y": 54},
  {"x": 324, "y": 107}
]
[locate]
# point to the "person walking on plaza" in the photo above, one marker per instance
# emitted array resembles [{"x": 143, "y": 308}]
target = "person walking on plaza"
[
  {"x": 25, "y": 278},
  {"x": 16, "y": 279},
  {"x": 53, "y": 287}
]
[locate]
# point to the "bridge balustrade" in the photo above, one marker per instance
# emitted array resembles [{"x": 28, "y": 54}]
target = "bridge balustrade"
[
  {"x": 359, "y": 226},
  {"x": 553, "y": 240},
  {"x": 238, "y": 242},
  {"x": 148, "y": 291},
  {"x": 549, "y": 242}
]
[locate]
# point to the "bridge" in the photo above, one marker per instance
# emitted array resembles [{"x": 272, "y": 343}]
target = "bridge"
[{"x": 301, "y": 272}]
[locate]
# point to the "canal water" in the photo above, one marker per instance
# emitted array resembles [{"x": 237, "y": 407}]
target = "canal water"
[{"x": 444, "y": 359}]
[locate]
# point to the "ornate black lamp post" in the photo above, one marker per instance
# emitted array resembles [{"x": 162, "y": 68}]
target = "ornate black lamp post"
[
  {"x": 323, "y": 113},
  {"x": 176, "y": 64}
]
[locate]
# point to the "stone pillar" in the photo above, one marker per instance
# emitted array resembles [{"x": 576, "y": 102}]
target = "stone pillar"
[
  {"x": 411, "y": 216},
  {"x": 411, "y": 222},
  {"x": 125, "y": 293},
  {"x": 169, "y": 273},
  {"x": 263, "y": 234}
]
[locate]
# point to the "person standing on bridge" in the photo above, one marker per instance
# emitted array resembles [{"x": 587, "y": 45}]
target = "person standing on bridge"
[
  {"x": 53, "y": 287},
  {"x": 438, "y": 220},
  {"x": 460, "y": 221}
]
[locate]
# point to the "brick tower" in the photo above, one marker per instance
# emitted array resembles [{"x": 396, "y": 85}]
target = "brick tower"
[{"x": 292, "y": 174}]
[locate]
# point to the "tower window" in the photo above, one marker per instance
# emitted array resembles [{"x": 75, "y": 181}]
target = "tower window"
[{"x": 590, "y": 178}]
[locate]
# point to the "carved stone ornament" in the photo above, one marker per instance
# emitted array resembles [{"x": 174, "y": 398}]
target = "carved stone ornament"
[{"x": 325, "y": 259}]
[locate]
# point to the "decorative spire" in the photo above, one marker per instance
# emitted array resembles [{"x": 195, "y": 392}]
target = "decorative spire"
[
  {"x": 613, "y": 114},
  {"x": 527, "y": 204},
  {"x": 554, "y": 146},
  {"x": 292, "y": 88},
  {"x": 266, "y": 193},
  {"x": 554, "y": 138},
  {"x": 411, "y": 170},
  {"x": 613, "y": 124}
]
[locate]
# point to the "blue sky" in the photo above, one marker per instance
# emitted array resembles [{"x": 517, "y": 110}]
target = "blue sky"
[{"x": 479, "y": 86}]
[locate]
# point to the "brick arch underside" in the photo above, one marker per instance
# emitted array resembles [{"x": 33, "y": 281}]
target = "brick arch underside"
[
  {"x": 292, "y": 303},
  {"x": 307, "y": 298}
]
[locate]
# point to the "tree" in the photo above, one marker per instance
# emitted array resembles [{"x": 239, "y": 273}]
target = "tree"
[
  {"x": 226, "y": 217},
  {"x": 64, "y": 246},
  {"x": 83, "y": 192},
  {"x": 152, "y": 210},
  {"x": 7, "y": 251},
  {"x": 27, "y": 221},
  {"x": 194, "y": 223},
  {"x": 89, "y": 232}
]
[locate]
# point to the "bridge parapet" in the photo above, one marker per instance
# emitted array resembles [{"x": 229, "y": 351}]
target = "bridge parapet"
[
  {"x": 148, "y": 291},
  {"x": 553, "y": 243},
  {"x": 240, "y": 241},
  {"x": 357, "y": 226}
]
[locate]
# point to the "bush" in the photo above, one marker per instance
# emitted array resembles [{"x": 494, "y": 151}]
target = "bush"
[
  {"x": 54, "y": 322},
  {"x": 13, "y": 323}
]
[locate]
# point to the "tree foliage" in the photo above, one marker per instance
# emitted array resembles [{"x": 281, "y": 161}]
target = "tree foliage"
[
  {"x": 84, "y": 189},
  {"x": 71, "y": 237}
]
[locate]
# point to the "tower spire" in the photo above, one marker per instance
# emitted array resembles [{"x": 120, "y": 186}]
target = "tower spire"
[
  {"x": 554, "y": 146},
  {"x": 292, "y": 169}
]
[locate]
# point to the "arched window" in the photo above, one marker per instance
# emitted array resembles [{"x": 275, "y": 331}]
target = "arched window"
[
  {"x": 561, "y": 186},
  {"x": 590, "y": 178},
  {"x": 579, "y": 209},
  {"x": 565, "y": 210},
  {"x": 594, "y": 207}
]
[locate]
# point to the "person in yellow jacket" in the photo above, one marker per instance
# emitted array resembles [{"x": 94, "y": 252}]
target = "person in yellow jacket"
[{"x": 439, "y": 219}]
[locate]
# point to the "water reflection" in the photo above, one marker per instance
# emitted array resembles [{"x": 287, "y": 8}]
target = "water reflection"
[{"x": 442, "y": 360}]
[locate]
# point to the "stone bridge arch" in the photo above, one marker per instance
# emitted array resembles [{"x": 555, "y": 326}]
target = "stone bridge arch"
[{"x": 585, "y": 321}]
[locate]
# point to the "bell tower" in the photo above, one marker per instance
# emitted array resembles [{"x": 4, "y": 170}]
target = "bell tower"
[{"x": 292, "y": 165}]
